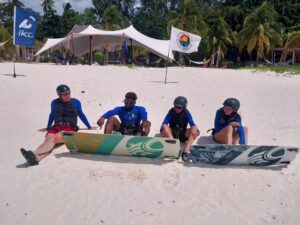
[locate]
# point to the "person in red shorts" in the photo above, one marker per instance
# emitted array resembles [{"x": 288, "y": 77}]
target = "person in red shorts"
[{"x": 64, "y": 113}]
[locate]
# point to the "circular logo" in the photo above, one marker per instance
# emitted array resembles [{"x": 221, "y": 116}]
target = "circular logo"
[
  {"x": 145, "y": 146},
  {"x": 184, "y": 41},
  {"x": 265, "y": 156}
]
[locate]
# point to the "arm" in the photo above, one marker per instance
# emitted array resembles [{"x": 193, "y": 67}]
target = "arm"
[
  {"x": 106, "y": 115},
  {"x": 167, "y": 119},
  {"x": 51, "y": 116},
  {"x": 217, "y": 122},
  {"x": 241, "y": 132},
  {"x": 190, "y": 120},
  {"x": 144, "y": 114},
  {"x": 81, "y": 114}
]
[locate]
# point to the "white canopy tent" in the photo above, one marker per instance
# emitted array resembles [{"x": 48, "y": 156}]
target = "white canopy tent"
[{"x": 91, "y": 39}]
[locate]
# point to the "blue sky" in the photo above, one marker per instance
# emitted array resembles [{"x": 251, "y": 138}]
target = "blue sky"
[{"x": 78, "y": 5}]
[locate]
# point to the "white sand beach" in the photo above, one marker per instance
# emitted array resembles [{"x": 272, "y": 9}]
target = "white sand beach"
[{"x": 92, "y": 189}]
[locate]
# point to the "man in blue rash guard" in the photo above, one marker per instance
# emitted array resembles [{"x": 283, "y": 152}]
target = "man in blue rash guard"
[
  {"x": 176, "y": 122},
  {"x": 133, "y": 119},
  {"x": 228, "y": 124},
  {"x": 64, "y": 113}
]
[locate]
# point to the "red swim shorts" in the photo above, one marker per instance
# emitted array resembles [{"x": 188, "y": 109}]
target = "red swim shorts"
[{"x": 57, "y": 128}]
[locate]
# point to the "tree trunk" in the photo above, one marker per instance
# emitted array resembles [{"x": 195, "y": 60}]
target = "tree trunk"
[{"x": 218, "y": 56}]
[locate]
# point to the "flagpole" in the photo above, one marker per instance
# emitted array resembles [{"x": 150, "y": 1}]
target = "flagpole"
[
  {"x": 168, "y": 61},
  {"x": 14, "y": 36}
]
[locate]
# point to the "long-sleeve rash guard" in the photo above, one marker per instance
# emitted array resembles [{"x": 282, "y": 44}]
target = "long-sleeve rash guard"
[
  {"x": 78, "y": 107},
  {"x": 128, "y": 116},
  {"x": 221, "y": 121}
]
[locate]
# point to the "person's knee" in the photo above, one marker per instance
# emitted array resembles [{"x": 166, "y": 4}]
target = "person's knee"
[
  {"x": 193, "y": 132},
  {"x": 112, "y": 120},
  {"x": 229, "y": 129}
]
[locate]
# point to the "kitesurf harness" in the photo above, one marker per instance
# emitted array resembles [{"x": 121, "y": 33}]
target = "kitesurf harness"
[
  {"x": 65, "y": 113},
  {"x": 224, "y": 119},
  {"x": 178, "y": 121}
]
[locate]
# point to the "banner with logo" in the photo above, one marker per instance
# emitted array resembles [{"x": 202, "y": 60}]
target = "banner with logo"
[
  {"x": 25, "y": 25},
  {"x": 182, "y": 41}
]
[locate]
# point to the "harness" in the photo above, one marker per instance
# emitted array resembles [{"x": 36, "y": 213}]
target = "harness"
[
  {"x": 65, "y": 113},
  {"x": 178, "y": 123},
  {"x": 128, "y": 129}
]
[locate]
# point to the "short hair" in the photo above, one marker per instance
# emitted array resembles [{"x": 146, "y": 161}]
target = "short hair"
[{"x": 131, "y": 95}]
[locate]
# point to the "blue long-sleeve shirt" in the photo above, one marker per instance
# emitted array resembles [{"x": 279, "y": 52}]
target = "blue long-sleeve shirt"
[
  {"x": 189, "y": 119},
  {"x": 128, "y": 116},
  {"x": 78, "y": 107},
  {"x": 221, "y": 121}
]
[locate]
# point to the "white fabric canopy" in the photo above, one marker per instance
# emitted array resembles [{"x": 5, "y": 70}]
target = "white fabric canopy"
[{"x": 80, "y": 43}]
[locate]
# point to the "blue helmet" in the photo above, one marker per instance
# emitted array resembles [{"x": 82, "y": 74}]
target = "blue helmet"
[
  {"x": 233, "y": 103},
  {"x": 180, "y": 101}
]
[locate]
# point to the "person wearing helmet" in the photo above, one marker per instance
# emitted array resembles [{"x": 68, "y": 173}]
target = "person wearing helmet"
[
  {"x": 63, "y": 117},
  {"x": 228, "y": 124},
  {"x": 176, "y": 122},
  {"x": 133, "y": 119}
]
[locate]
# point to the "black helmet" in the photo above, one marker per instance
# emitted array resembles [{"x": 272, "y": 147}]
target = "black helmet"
[
  {"x": 62, "y": 89},
  {"x": 233, "y": 103},
  {"x": 180, "y": 101}
]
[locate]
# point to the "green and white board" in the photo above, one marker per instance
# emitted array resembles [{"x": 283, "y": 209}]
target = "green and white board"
[
  {"x": 242, "y": 155},
  {"x": 123, "y": 145}
]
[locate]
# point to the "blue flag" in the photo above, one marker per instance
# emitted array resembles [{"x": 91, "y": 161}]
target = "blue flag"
[
  {"x": 126, "y": 49},
  {"x": 25, "y": 24}
]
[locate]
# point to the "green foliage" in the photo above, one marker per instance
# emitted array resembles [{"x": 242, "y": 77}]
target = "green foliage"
[
  {"x": 292, "y": 69},
  {"x": 188, "y": 17},
  {"x": 260, "y": 31},
  {"x": 113, "y": 18},
  {"x": 99, "y": 57}
]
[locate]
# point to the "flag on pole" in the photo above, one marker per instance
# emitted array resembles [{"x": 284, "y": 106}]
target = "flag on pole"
[
  {"x": 182, "y": 41},
  {"x": 25, "y": 24}
]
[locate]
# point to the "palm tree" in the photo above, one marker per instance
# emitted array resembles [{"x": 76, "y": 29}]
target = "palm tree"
[
  {"x": 292, "y": 42},
  {"x": 219, "y": 36},
  {"x": 260, "y": 31},
  {"x": 188, "y": 17},
  {"x": 113, "y": 18}
]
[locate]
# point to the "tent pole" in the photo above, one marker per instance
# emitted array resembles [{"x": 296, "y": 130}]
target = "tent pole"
[
  {"x": 91, "y": 50},
  {"x": 167, "y": 62},
  {"x": 131, "y": 55}
]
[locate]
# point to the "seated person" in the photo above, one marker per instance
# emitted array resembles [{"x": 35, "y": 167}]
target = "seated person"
[
  {"x": 133, "y": 119},
  {"x": 176, "y": 122},
  {"x": 228, "y": 124}
]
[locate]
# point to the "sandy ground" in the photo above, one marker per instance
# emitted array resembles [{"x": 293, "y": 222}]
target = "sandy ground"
[{"x": 93, "y": 189}]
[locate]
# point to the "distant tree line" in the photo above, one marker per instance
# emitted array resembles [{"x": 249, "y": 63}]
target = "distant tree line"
[{"x": 231, "y": 30}]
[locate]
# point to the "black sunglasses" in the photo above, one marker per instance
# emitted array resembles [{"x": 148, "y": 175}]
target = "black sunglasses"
[
  {"x": 178, "y": 107},
  {"x": 129, "y": 102}
]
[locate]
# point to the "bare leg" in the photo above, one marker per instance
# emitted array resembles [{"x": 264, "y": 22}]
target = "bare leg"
[
  {"x": 191, "y": 134},
  {"x": 166, "y": 131},
  {"x": 224, "y": 136},
  {"x": 111, "y": 125},
  {"x": 246, "y": 131},
  {"x": 47, "y": 146}
]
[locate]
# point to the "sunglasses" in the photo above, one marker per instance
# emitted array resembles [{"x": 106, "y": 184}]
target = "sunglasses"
[
  {"x": 65, "y": 94},
  {"x": 129, "y": 102},
  {"x": 178, "y": 107}
]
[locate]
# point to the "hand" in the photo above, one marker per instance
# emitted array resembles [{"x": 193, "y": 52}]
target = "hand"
[
  {"x": 100, "y": 122},
  {"x": 43, "y": 130},
  {"x": 235, "y": 124},
  {"x": 185, "y": 156}
]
